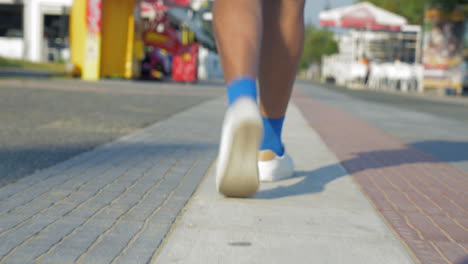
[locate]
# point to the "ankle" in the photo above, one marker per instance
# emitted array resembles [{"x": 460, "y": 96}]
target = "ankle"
[
  {"x": 242, "y": 87},
  {"x": 272, "y": 129}
]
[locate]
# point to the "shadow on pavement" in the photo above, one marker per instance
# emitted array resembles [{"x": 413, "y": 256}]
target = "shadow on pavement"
[
  {"x": 464, "y": 260},
  {"x": 450, "y": 151},
  {"x": 22, "y": 162},
  {"x": 316, "y": 180}
]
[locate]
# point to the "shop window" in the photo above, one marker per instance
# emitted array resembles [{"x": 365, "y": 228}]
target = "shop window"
[
  {"x": 11, "y": 20},
  {"x": 56, "y": 35}
]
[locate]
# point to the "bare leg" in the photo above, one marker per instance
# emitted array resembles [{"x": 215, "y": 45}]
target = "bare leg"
[
  {"x": 283, "y": 34},
  {"x": 237, "y": 26}
]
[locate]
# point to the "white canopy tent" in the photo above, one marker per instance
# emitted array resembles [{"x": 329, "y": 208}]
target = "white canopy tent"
[
  {"x": 363, "y": 16},
  {"x": 374, "y": 31}
]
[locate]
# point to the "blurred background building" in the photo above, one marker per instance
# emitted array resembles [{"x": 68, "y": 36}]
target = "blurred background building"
[
  {"x": 382, "y": 50},
  {"x": 420, "y": 46},
  {"x": 35, "y": 30},
  {"x": 152, "y": 39}
]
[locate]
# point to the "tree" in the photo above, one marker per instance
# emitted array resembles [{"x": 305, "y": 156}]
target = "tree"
[
  {"x": 413, "y": 10},
  {"x": 318, "y": 42}
]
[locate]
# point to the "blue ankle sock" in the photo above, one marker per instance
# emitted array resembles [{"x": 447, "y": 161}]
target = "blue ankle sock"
[
  {"x": 242, "y": 87},
  {"x": 272, "y": 128}
]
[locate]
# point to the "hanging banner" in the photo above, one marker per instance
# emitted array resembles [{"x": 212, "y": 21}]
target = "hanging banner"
[
  {"x": 93, "y": 16},
  {"x": 91, "y": 70},
  {"x": 443, "y": 49}
]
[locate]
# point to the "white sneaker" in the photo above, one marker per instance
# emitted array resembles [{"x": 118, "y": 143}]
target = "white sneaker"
[
  {"x": 236, "y": 168},
  {"x": 274, "y": 168}
]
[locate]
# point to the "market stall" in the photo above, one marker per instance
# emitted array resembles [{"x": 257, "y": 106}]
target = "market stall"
[
  {"x": 151, "y": 39},
  {"x": 377, "y": 42}
]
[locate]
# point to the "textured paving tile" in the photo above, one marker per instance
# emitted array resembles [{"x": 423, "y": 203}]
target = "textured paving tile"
[
  {"x": 421, "y": 197},
  {"x": 115, "y": 203}
]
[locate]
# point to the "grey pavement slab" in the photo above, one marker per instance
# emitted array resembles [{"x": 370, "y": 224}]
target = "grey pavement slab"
[
  {"x": 115, "y": 202},
  {"x": 319, "y": 216}
]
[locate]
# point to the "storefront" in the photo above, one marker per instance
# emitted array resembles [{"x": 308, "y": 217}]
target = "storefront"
[{"x": 35, "y": 30}]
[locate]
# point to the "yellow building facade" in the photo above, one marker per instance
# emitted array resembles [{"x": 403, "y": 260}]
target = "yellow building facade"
[{"x": 104, "y": 38}]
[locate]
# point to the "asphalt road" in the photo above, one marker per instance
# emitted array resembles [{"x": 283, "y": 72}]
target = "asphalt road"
[
  {"x": 44, "y": 122},
  {"x": 452, "y": 107}
]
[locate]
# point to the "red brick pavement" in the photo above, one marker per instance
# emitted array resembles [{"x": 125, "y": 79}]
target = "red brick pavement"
[{"x": 422, "y": 198}]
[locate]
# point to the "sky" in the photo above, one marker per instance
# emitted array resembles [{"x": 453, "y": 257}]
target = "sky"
[{"x": 313, "y": 7}]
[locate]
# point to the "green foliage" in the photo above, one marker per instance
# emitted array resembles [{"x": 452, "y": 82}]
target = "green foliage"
[
  {"x": 48, "y": 66},
  {"x": 448, "y": 5},
  {"x": 4, "y": 62},
  {"x": 318, "y": 42},
  {"x": 413, "y": 10}
]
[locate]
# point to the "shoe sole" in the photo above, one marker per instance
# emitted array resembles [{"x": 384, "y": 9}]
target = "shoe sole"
[{"x": 239, "y": 178}]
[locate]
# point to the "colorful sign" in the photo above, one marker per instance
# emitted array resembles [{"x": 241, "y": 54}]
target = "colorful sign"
[
  {"x": 91, "y": 69},
  {"x": 178, "y": 2},
  {"x": 443, "y": 49},
  {"x": 185, "y": 64},
  {"x": 93, "y": 16}
]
